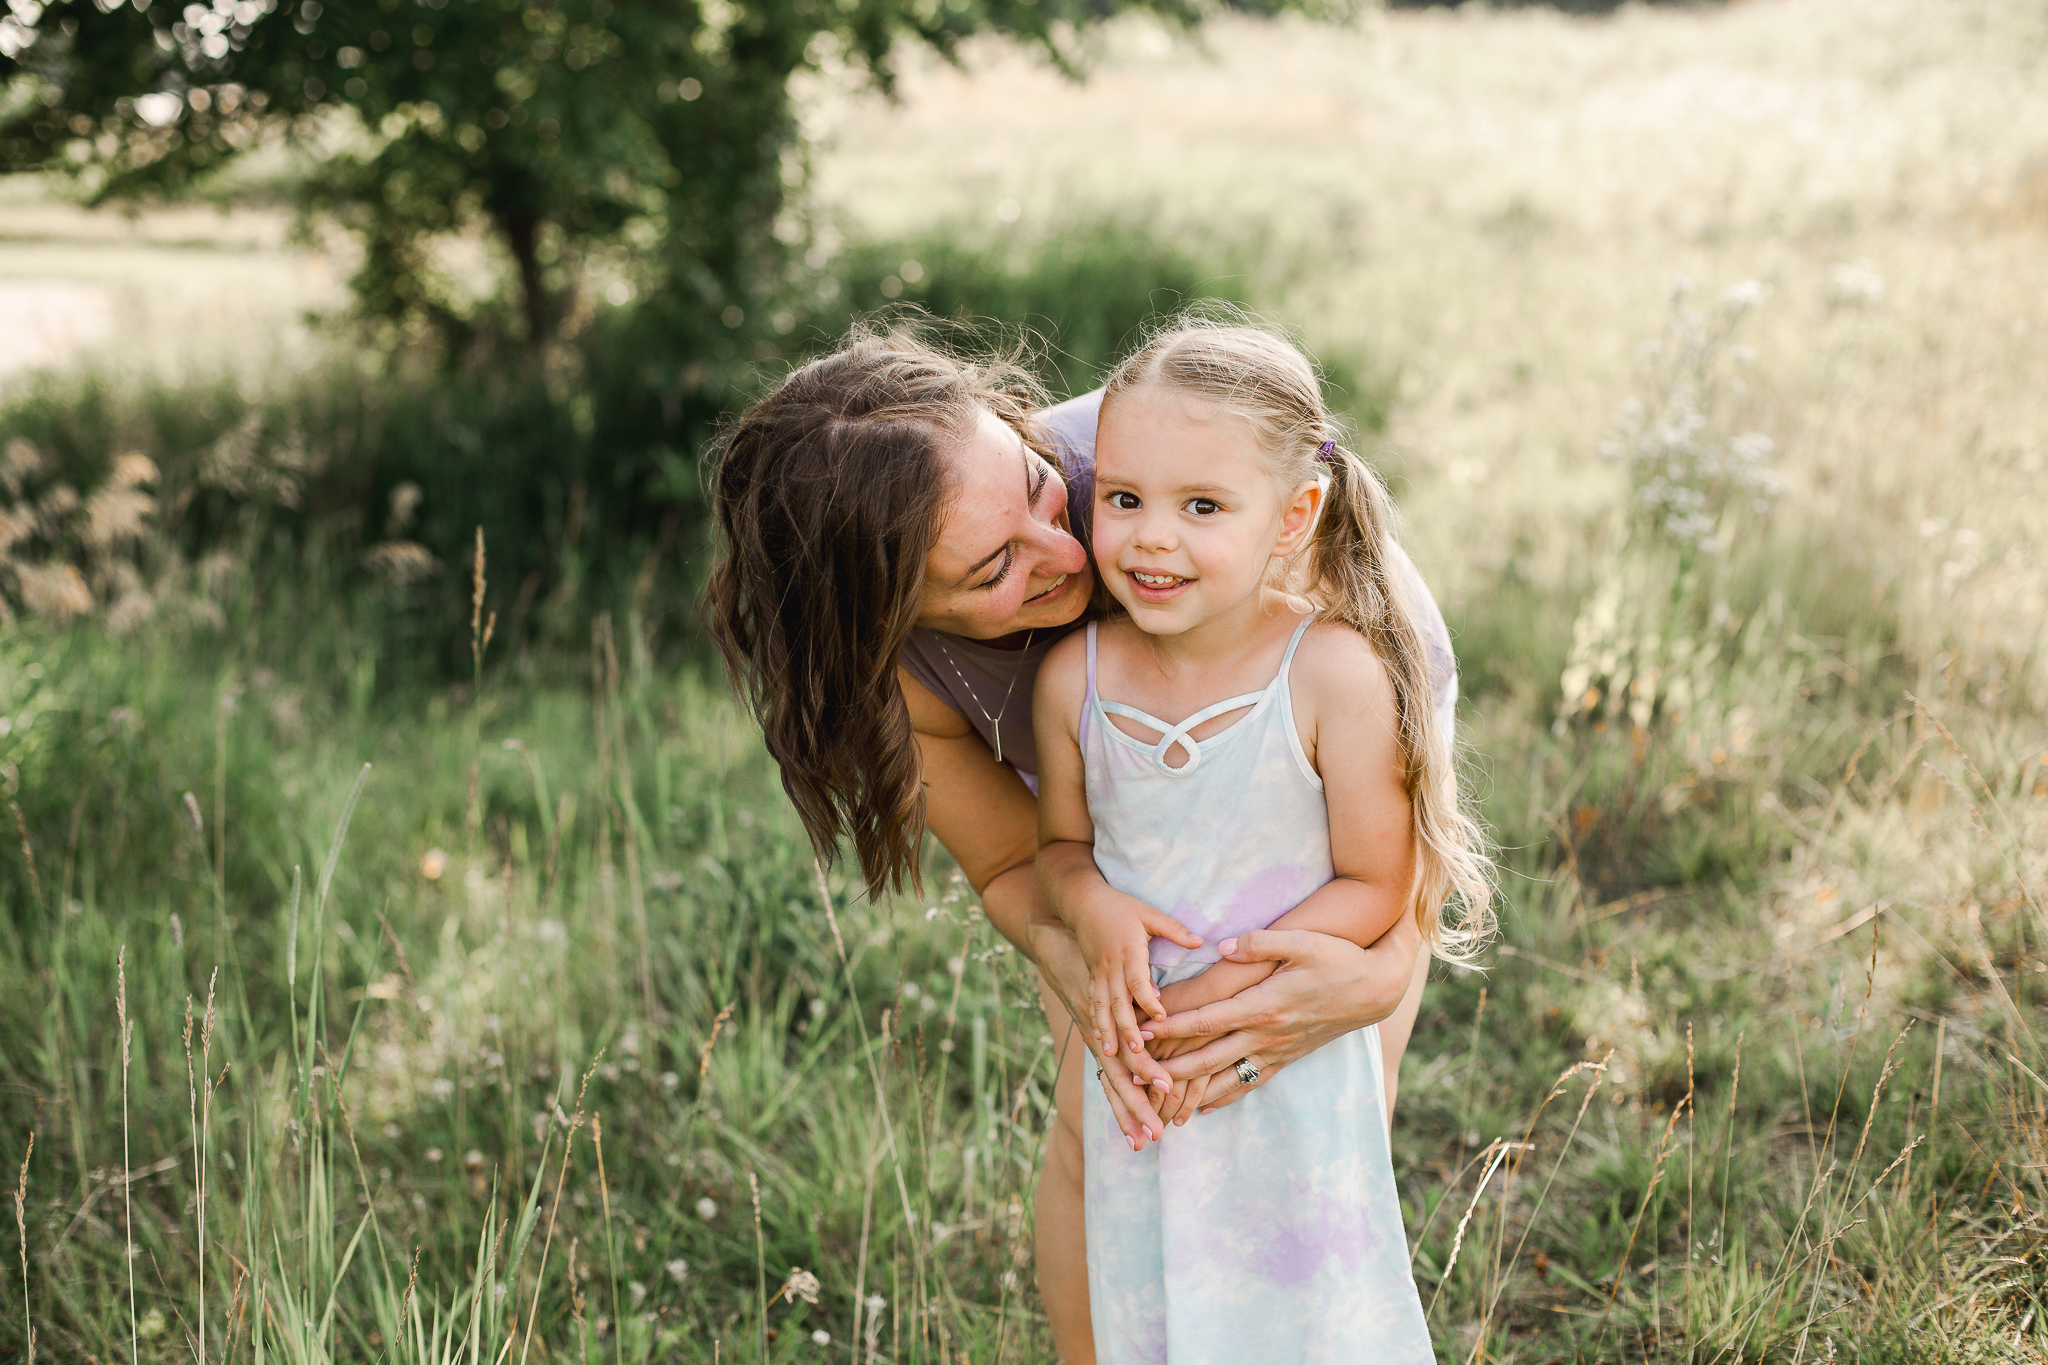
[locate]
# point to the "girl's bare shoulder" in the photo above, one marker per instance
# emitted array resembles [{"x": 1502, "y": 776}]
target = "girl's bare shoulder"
[
  {"x": 1063, "y": 677},
  {"x": 1336, "y": 670}
]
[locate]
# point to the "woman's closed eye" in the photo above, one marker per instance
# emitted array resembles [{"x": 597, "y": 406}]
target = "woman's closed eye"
[
  {"x": 995, "y": 580},
  {"x": 1002, "y": 571}
]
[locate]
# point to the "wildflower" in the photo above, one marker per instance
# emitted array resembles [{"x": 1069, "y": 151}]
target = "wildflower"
[
  {"x": 677, "y": 1269},
  {"x": 822, "y": 1337},
  {"x": 707, "y": 1208},
  {"x": 432, "y": 864},
  {"x": 637, "y": 1290},
  {"x": 57, "y": 591},
  {"x": 401, "y": 562},
  {"x": 433, "y": 1155},
  {"x": 801, "y": 1284}
]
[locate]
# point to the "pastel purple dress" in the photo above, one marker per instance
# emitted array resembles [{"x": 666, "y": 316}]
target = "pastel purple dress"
[{"x": 1269, "y": 1231}]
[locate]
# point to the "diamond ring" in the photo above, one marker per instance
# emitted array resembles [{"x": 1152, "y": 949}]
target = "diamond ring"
[{"x": 1247, "y": 1071}]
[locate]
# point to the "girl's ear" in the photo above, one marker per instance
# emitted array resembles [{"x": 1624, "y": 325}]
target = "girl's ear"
[{"x": 1298, "y": 516}]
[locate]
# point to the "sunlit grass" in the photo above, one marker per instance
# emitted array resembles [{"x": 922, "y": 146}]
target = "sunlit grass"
[{"x": 1753, "y": 1076}]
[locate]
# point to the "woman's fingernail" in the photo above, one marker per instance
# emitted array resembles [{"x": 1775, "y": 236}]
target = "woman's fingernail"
[
  {"x": 1148, "y": 1037},
  {"x": 1227, "y": 947},
  {"x": 1205, "y": 1111}
]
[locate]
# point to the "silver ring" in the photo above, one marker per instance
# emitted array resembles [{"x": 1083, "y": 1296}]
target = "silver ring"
[{"x": 1247, "y": 1071}]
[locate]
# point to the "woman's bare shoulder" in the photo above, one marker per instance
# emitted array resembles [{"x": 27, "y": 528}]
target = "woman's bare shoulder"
[{"x": 930, "y": 714}]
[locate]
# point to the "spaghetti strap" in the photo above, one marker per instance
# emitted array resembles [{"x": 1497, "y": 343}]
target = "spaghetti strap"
[
  {"x": 1287, "y": 659},
  {"x": 1088, "y": 701}
]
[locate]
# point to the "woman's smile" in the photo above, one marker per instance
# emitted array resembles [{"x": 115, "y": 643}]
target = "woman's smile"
[{"x": 1050, "y": 594}]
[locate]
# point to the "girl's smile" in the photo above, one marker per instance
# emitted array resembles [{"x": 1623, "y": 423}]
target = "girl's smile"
[
  {"x": 1156, "y": 587},
  {"x": 1188, "y": 521}
]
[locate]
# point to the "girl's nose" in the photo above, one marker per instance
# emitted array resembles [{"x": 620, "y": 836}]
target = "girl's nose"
[{"x": 1154, "y": 533}]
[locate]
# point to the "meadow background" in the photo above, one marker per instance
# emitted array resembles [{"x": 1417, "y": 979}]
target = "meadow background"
[{"x": 409, "y": 955}]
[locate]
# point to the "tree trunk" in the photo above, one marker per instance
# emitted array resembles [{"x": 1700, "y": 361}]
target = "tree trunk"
[{"x": 522, "y": 235}]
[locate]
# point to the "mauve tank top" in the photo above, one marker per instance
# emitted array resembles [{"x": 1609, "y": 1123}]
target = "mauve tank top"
[{"x": 974, "y": 678}]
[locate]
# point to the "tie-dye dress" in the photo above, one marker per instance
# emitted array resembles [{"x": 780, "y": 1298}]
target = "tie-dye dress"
[{"x": 1269, "y": 1231}]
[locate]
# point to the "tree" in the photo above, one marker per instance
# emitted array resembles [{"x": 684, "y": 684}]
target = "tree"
[{"x": 652, "y": 137}]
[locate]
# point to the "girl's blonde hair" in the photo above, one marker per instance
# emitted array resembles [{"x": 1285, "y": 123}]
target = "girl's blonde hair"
[{"x": 1258, "y": 375}]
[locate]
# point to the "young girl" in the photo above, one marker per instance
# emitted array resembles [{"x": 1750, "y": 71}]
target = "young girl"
[{"x": 1250, "y": 744}]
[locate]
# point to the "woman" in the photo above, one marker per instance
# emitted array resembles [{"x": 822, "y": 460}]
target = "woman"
[{"x": 904, "y": 537}]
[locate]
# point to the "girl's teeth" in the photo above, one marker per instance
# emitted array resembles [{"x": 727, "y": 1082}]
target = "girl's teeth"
[{"x": 1156, "y": 580}]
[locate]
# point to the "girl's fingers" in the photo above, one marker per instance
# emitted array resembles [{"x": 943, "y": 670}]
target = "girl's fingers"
[
  {"x": 1102, "y": 1017},
  {"x": 1166, "y": 926},
  {"x": 1146, "y": 994},
  {"x": 1192, "y": 1104},
  {"x": 1169, "y": 1105},
  {"x": 1126, "y": 1024}
]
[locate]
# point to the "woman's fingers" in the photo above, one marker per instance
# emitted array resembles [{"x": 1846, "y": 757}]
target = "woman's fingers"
[
  {"x": 1137, "y": 1115},
  {"x": 1226, "y": 1087},
  {"x": 1225, "y": 1052},
  {"x": 1166, "y": 926}
]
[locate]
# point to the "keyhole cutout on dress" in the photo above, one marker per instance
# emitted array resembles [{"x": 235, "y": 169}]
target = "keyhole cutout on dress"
[{"x": 1149, "y": 730}]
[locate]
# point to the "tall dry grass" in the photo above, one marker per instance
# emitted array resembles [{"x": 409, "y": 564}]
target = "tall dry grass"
[{"x": 572, "y": 1054}]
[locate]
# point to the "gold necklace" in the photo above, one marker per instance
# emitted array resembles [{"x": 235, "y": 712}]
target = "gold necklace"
[{"x": 995, "y": 721}]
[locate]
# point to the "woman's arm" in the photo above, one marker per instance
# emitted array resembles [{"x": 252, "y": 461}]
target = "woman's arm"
[{"x": 987, "y": 819}]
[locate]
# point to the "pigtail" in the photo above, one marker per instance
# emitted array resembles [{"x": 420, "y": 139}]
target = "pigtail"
[
  {"x": 1351, "y": 578},
  {"x": 1223, "y": 355}
]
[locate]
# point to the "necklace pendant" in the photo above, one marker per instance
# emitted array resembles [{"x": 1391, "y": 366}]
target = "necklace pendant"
[{"x": 998, "y": 726}]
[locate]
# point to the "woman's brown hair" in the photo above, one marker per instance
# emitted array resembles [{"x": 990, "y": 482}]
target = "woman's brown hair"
[{"x": 829, "y": 494}]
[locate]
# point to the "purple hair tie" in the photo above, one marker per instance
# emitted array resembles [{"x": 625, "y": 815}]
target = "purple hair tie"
[{"x": 1329, "y": 449}]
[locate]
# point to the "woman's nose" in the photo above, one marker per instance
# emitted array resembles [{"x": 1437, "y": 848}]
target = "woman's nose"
[{"x": 1058, "y": 550}]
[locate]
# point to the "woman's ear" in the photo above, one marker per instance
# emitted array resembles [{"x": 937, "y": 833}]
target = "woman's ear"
[{"x": 1299, "y": 515}]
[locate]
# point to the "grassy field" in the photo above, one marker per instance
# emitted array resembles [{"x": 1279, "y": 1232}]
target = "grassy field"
[{"x": 541, "y": 1036}]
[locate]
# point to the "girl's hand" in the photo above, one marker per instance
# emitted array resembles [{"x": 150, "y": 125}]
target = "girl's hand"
[
  {"x": 1115, "y": 932},
  {"x": 1064, "y": 972},
  {"x": 1184, "y": 1100},
  {"x": 1321, "y": 989}
]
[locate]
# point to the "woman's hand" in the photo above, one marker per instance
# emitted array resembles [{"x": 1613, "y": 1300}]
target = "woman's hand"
[{"x": 1321, "y": 988}]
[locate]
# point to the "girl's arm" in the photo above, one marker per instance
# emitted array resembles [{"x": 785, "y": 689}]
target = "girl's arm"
[
  {"x": 986, "y": 817},
  {"x": 1114, "y": 930},
  {"x": 1344, "y": 711}
]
